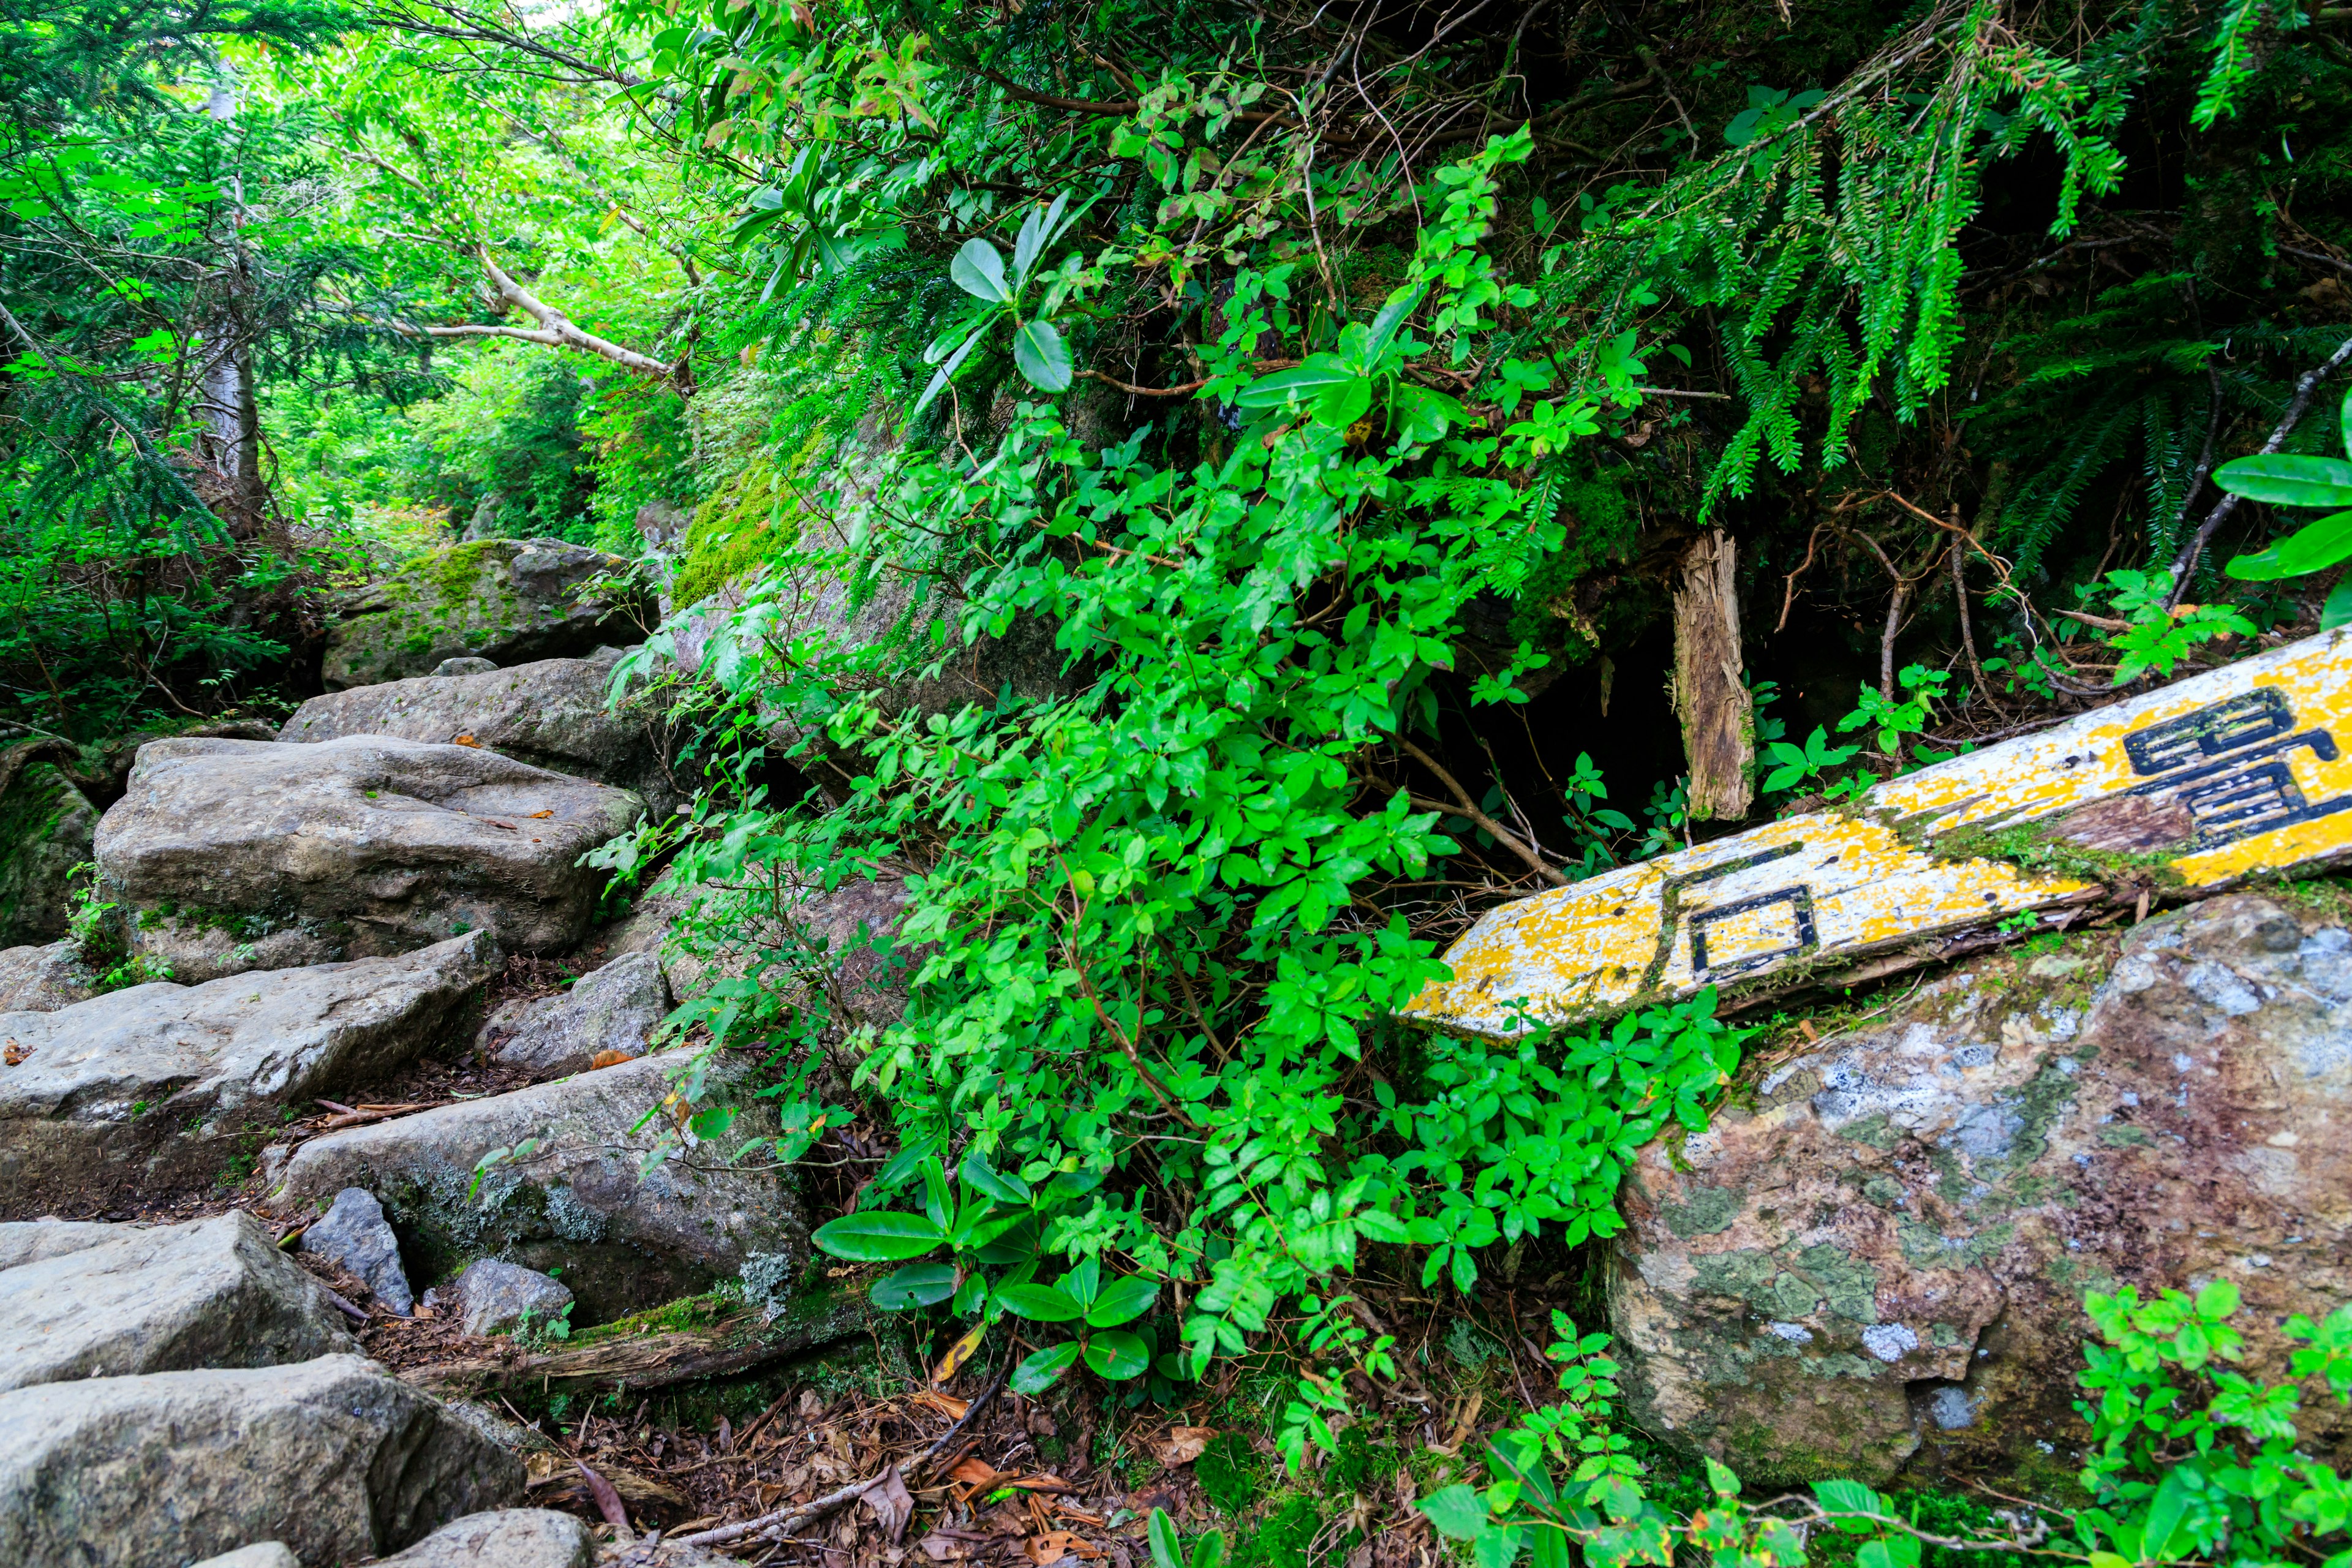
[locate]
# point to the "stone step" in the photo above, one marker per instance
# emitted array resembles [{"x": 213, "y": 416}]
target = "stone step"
[
  {"x": 576, "y": 1200},
  {"x": 122, "y": 1299},
  {"x": 228, "y": 856},
  {"x": 335, "y": 1457},
  {"x": 136, "y": 1093}
]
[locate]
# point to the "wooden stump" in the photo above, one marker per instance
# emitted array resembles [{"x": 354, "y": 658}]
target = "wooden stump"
[{"x": 1710, "y": 693}]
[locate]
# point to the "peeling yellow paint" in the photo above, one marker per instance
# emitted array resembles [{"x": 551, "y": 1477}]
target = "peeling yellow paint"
[{"x": 2232, "y": 774}]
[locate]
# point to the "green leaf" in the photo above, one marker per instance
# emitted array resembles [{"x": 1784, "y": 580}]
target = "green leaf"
[
  {"x": 1458, "y": 1512},
  {"x": 917, "y": 1285},
  {"x": 1166, "y": 1551},
  {"x": 2288, "y": 481},
  {"x": 940, "y": 379},
  {"x": 881, "y": 1237},
  {"x": 2314, "y": 548},
  {"x": 2166, "y": 1511},
  {"x": 1123, "y": 1300},
  {"x": 1721, "y": 1481},
  {"x": 2337, "y": 611},
  {"x": 2219, "y": 1298},
  {"x": 1117, "y": 1354},
  {"x": 1042, "y": 356},
  {"x": 977, "y": 269},
  {"x": 1038, "y": 1372},
  {"x": 1285, "y": 386},
  {"x": 1423, "y": 415},
  {"x": 1039, "y": 1303},
  {"x": 978, "y": 1172},
  {"x": 1209, "y": 1551},
  {"x": 1340, "y": 405},
  {"x": 1850, "y": 1497}
]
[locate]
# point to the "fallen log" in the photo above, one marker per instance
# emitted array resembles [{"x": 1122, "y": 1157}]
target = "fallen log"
[{"x": 619, "y": 1360}]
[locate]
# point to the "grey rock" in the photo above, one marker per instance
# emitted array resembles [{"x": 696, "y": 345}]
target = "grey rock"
[
  {"x": 44, "y": 979},
  {"x": 239, "y": 855},
  {"x": 262, "y": 1555},
  {"x": 506, "y": 1537},
  {"x": 497, "y": 1296},
  {"x": 577, "y": 1201},
  {"x": 662, "y": 524},
  {"x": 335, "y": 1458},
  {"x": 30, "y": 1240},
  {"x": 484, "y": 521},
  {"x": 162, "y": 1085},
  {"x": 614, "y": 1009},
  {"x": 511, "y": 600},
  {"x": 210, "y": 1293},
  {"x": 45, "y": 831},
  {"x": 1873, "y": 1261},
  {"x": 449, "y": 666},
  {"x": 354, "y": 1234},
  {"x": 553, "y": 714}
]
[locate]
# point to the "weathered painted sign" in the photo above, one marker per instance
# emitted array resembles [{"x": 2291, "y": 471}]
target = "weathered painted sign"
[{"x": 2233, "y": 773}]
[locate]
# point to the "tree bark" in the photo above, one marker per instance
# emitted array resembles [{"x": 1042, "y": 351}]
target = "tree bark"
[{"x": 1710, "y": 692}]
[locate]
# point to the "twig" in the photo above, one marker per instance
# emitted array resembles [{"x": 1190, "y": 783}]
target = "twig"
[
  {"x": 2296, "y": 409},
  {"x": 1501, "y": 833},
  {"x": 785, "y": 1518}
]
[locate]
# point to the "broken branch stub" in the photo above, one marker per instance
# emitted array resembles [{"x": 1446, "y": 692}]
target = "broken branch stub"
[
  {"x": 1710, "y": 690},
  {"x": 2237, "y": 773}
]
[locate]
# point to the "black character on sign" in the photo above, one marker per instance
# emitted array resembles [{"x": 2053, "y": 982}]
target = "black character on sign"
[
  {"x": 2226, "y": 764},
  {"x": 1747, "y": 934}
]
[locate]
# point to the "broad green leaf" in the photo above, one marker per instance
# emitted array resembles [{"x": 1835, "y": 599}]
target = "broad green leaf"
[
  {"x": 1118, "y": 1355},
  {"x": 1042, "y": 356},
  {"x": 1039, "y": 1303},
  {"x": 2337, "y": 611},
  {"x": 978, "y": 1172},
  {"x": 2165, "y": 1512},
  {"x": 1391, "y": 316},
  {"x": 1721, "y": 1481},
  {"x": 1122, "y": 1301},
  {"x": 1166, "y": 1551},
  {"x": 1423, "y": 416},
  {"x": 1037, "y": 1374},
  {"x": 1287, "y": 386},
  {"x": 2314, "y": 548},
  {"x": 2288, "y": 480},
  {"x": 917, "y": 1285},
  {"x": 2219, "y": 1298},
  {"x": 884, "y": 1236},
  {"x": 1340, "y": 405},
  {"x": 1850, "y": 1497},
  {"x": 1209, "y": 1551},
  {"x": 1458, "y": 1512},
  {"x": 940, "y": 379},
  {"x": 977, "y": 269}
]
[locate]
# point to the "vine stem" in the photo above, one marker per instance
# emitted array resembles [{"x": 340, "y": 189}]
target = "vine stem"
[{"x": 2297, "y": 408}]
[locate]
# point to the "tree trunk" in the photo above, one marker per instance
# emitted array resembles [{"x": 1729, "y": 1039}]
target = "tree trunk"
[
  {"x": 232, "y": 418},
  {"x": 1710, "y": 692}
]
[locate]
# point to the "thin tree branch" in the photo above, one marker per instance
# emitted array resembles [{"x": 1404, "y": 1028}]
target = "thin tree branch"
[
  {"x": 1501, "y": 834},
  {"x": 2297, "y": 408}
]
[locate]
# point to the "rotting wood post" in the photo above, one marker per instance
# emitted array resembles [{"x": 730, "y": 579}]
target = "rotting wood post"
[{"x": 1710, "y": 692}]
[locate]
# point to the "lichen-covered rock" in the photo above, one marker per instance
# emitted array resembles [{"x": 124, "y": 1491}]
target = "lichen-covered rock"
[
  {"x": 45, "y": 831},
  {"x": 496, "y": 1296},
  {"x": 614, "y": 1009},
  {"x": 230, "y": 855},
  {"x": 335, "y": 1458},
  {"x": 165, "y": 1086},
  {"x": 508, "y": 600},
  {"x": 44, "y": 979},
  {"x": 353, "y": 1235},
  {"x": 552, "y": 713},
  {"x": 1872, "y": 1262},
  {"x": 30, "y": 1240},
  {"x": 261, "y": 1555},
  {"x": 210, "y": 1293},
  {"x": 504, "y": 1538},
  {"x": 575, "y": 1199}
]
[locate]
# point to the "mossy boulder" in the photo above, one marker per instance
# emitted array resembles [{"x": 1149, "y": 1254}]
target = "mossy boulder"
[
  {"x": 505, "y": 600},
  {"x": 45, "y": 825},
  {"x": 1873, "y": 1263}
]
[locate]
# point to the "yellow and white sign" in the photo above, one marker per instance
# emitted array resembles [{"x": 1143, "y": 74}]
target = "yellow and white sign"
[{"x": 2233, "y": 773}]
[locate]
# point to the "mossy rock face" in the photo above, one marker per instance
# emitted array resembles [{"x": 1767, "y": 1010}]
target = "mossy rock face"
[
  {"x": 1872, "y": 1262},
  {"x": 507, "y": 600},
  {"x": 45, "y": 825}
]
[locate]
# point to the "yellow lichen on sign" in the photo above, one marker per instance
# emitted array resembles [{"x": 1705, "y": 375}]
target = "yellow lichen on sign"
[{"x": 2234, "y": 773}]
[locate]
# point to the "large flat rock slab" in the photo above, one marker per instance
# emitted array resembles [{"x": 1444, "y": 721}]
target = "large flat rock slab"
[
  {"x": 1872, "y": 1262},
  {"x": 507, "y": 600},
  {"x": 333, "y": 1457},
  {"x": 238, "y": 855},
  {"x": 211, "y": 1293},
  {"x": 167, "y": 1086},
  {"x": 552, "y": 713},
  {"x": 577, "y": 1201}
]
